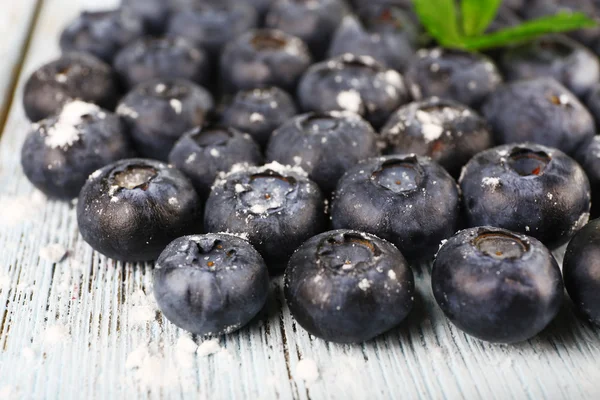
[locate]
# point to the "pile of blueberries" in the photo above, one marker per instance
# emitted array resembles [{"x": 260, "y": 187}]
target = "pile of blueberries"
[{"x": 231, "y": 140}]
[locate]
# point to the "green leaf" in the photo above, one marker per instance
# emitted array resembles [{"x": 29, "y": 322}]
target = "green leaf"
[
  {"x": 440, "y": 19},
  {"x": 477, "y": 15},
  {"x": 527, "y": 31}
]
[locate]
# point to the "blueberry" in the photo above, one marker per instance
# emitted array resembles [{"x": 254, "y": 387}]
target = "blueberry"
[
  {"x": 324, "y": 144},
  {"x": 204, "y": 152},
  {"x": 444, "y": 130},
  {"x": 72, "y": 76},
  {"x": 131, "y": 209},
  {"x": 259, "y": 112},
  {"x": 409, "y": 200},
  {"x": 526, "y": 188},
  {"x": 210, "y": 25},
  {"x": 154, "y": 13},
  {"x": 348, "y": 287},
  {"x": 393, "y": 51},
  {"x": 101, "y": 33},
  {"x": 497, "y": 285},
  {"x": 161, "y": 58},
  {"x": 277, "y": 207},
  {"x": 468, "y": 78},
  {"x": 592, "y": 102},
  {"x": 210, "y": 284},
  {"x": 581, "y": 270},
  {"x": 61, "y": 151},
  {"x": 353, "y": 83},
  {"x": 160, "y": 111},
  {"x": 541, "y": 111},
  {"x": 312, "y": 21},
  {"x": 558, "y": 57},
  {"x": 588, "y": 156},
  {"x": 263, "y": 57}
]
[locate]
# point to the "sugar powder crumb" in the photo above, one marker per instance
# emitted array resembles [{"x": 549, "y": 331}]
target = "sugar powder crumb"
[
  {"x": 349, "y": 100},
  {"x": 53, "y": 253},
  {"x": 65, "y": 132},
  {"x": 493, "y": 183},
  {"x": 55, "y": 334},
  {"x": 208, "y": 347},
  {"x": 364, "y": 284},
  {"x": 307, "y": 370}
]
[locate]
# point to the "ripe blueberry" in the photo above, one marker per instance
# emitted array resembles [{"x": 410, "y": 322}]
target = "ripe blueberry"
[
  {"x": 131, "y": 209},
  {"x": 210, "y": 284},
  {"x": 348, "y": 287},
  {"x": 406, "y": 199},
  {"x": 497, "y": 285}
]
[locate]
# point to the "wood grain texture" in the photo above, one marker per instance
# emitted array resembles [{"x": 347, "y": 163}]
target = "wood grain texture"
[
  {"x": 16, "y": 20},
  {"x": 87, "y": 327}
]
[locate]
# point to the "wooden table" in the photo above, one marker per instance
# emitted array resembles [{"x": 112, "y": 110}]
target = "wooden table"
[{"x": 87, "y": 327}]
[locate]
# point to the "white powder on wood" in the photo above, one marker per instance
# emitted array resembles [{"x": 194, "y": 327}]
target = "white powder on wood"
[
  {"x": 208, "y": 347},
  {"x": 307, "y": 370},
  {"x": 53, "y": 253},
  {"x": 55, "y": 334}
]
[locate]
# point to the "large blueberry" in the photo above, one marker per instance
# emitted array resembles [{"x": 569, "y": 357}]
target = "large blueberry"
[
  {"x": 212, "y": 24},
  {"x": 312, "y": 21},
  {"x": 392, "y": 50},
  {"x": 160, "y": 111},
  {"x": 558, "y": 57},
  {"x": 204, "y": 152},
  {"x": 588, "y": 156},
  {"x": 526, "y": 188},
  {"x": 72, "y": 76},
  {"x": 409, "y": 200},
  {"x": 497, "y": 285},
  {"x": 539, "y": 110},
  {"x": 277, "y": 207},
  {"x": 324, "y": 144},
  {"x": 161, "y": 58},
  {"x": 259, "y": 112},
  {"x": 353, "y": 83},
  {"x": 468, "y": 78},
  {"x": 444, "y": 130},
  {"x": 263, "y": 57},
  {"x": 210, "y": 284},
  {"x": 348, "y": 287},
  {"x": 101, "y": 33},
  {"x": 581, "y": 270},
  {"x": 131, "y": 209},
  {"x": 61, "y": 151}
]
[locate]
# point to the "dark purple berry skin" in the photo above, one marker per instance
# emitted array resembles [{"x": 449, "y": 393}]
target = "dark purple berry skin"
[
  {"x": 154, "y": 13},
  {"x": 526, "y": 188},
  {"x": 409, "y": 200},
  {"x": 592, "y": 102},
  {"x": 277, "y": 207},
  {"x": 211, "y": 25},
  {"x": 204, "y": 152},
  {"x": 468, "y": 78},
  {"x": 353, "y": 83},
  {"x": 346, "y": 286},
  {"x": 259, "y": 112},
  {"x": 559, "y": 57},
  {"x": 159, "y": 112},
  {"x": 72, "y": 76},
  {"x": 581, "y": 271},
  {"x": 130, "y": 210},
  {"x": 444, "y": 130},
  {"x": 541, "y": 111},
  {"x": 101, "y": 33},
  {"x": 210, "y": 284},
  {"x": 262, "y": 58},
  {"x": 497, "y": 285},
  {"x": 392, "y": 50},
  {"x": 325, "y": 145},
  {"x": 312, "y": 21},
  {"x": 588, "y": 156},
  {"x": 62, "y": 151},
  {"x": 165, "y": 58}
]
